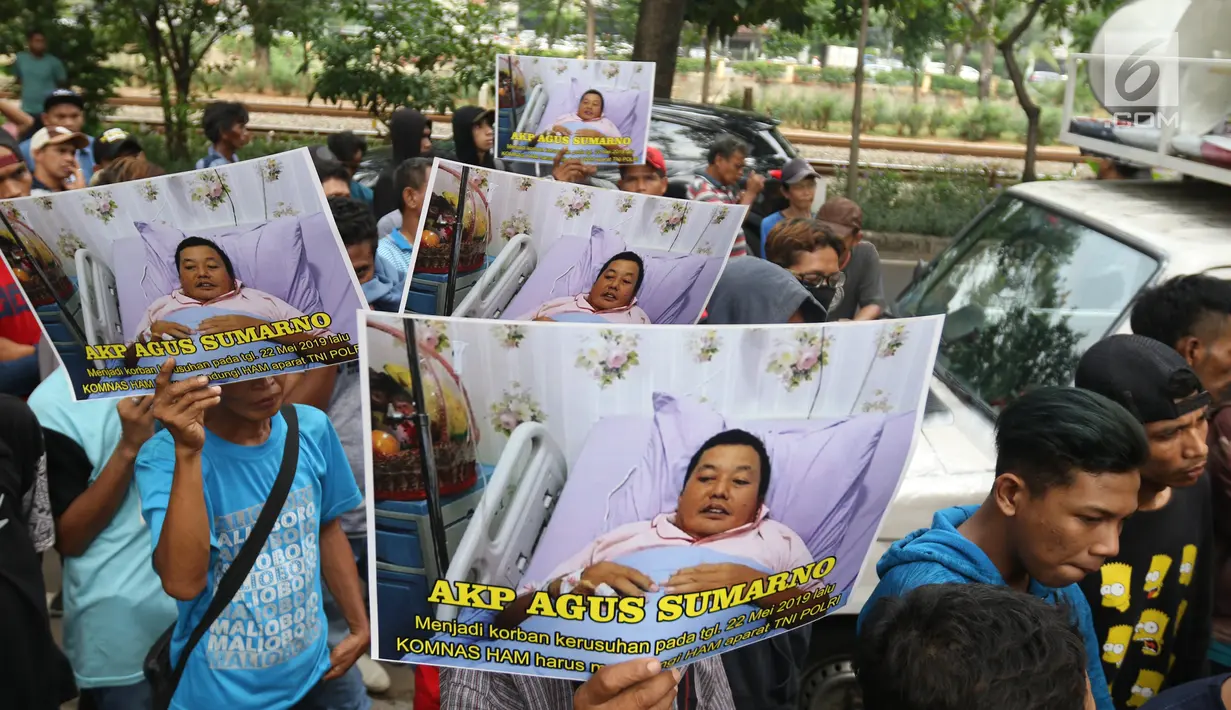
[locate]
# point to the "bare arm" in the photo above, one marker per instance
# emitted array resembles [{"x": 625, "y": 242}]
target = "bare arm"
[
  {"x": 871, "y": 312},
  {"x": 314, "y": 387},
  {"x": 92, "y": 511},
  {"x": 342, "y": 578},
  {"x": 182, "y": 556},
  {"x": 13, "y": 114}
]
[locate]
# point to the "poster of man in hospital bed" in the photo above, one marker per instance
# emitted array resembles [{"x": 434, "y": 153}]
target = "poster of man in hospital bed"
[
  {"x": 611, "y": 492},
  {"x": 536, "y": 249},
  {"x": 597, "y": 111},
  {"x": 236, "y": 272}
]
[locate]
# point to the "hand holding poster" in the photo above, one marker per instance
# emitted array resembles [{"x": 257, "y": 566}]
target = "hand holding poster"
[
  {"x": 236, "y": 272},
  {"x": 596, "y": 112},
  {"x": 544, "y": 250},
  {"x": 636, "y": 491}
]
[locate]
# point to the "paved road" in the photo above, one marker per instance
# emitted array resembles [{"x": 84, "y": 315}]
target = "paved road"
[{"x": 897, "y": 273}]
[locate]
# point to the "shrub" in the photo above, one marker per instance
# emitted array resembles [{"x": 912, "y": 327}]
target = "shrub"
[
  {"x": 875, "y": 112},
  {"x": 896, "y": 77},
  {"x": 944, "y": 82},
  {"x": 807, "y": 75},
  {"x": 939, "y": 205},
  {"x": 911, "y": 119},
  {"x": 763, "y": 71},
  {"x": 687, "y": 65},
  {"x": 985, "y": 120},
  {"x": 837, "y": 76},
  {"x": 1051, "y": 120},
  {"x": 938, "y": 118}
]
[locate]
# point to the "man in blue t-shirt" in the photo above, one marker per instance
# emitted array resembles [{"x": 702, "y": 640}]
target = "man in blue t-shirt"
[
  {"x": 1066, "y": 478},
  {"x": 203, "y": 481},
  {"x": 65, "y": 108},
  {"x": 799, "y": 182},
  {"x": 38, "y": 72},
  {"x": 114, "y": 605}
]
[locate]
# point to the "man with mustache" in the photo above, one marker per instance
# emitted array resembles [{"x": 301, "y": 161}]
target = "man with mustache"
[{"x": 1159, "y": 584}]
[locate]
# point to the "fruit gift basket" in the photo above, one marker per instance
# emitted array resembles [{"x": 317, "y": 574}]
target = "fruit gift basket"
[
  {"x": 397, "y": 466},
  {"x": 440, "y": 227},
  {"x": 512, "y": 83},
  {"x": 28, "y": 255}
]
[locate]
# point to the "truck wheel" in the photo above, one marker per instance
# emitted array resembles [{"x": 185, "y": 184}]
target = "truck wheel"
[{"x": 829, "y": 683}]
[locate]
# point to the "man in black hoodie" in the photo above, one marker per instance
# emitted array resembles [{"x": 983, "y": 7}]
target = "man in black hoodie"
[
  {"x": 411, "y": 135},
  {"x": 474, "y": 137}
]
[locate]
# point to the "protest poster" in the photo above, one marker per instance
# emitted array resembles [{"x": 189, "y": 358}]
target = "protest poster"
[
  {"x": 596, "y": 111},
  {"x": 236, "y": 272},
  {"x": 571, "y": 459},
  {"x": 532, "y": 248}
]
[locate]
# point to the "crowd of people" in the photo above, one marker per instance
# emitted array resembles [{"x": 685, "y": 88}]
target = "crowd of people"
[{"x": 1093, "y": 575}]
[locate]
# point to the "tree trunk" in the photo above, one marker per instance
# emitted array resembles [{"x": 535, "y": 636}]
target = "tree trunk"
[
  {"x": 589, "y": 29},
  {"x": 709, "y": 63},
  {"x": 852, "y": 169},
  {"x": 262, "y": 38},
  {"x": 658, "y": 36},
  {"x": 915, "y": 83},
  {"x": 181, "y": 114},
  {"x": 1006, "y": 47},
  {"x": 987, "y": 66}
]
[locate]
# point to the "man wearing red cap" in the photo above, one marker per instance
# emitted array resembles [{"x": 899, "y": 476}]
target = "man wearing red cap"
[{"x": 648, "y": 179}]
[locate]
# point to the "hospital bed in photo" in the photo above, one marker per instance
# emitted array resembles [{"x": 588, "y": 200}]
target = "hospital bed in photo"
[
  {"x": 505, "y": 530},
  {"x": 100, "y": 301},
  {"x": 500, "y": 282},
  {"x": 532, "y": 111}
]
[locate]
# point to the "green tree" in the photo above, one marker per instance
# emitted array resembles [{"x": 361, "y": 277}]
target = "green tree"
[
  {"x": 417, "y": 53},
  {"x": 175, "y": 36},
  {"x": 81, "y": 36},
  {"x": 721, "y": 19},
  {"x": 305, "y": 20}
]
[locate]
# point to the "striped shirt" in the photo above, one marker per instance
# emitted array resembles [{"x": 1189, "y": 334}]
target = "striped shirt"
[
  {"x": 397, "y": 251},
  {"x": 465, "y": 689},
  {"x": 704, "y": 189}
]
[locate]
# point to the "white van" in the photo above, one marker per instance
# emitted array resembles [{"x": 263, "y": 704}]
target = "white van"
[{"x": 1045, "y": 271}]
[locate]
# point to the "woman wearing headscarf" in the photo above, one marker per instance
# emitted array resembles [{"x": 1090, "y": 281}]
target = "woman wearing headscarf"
[
  {"x": 411, "y": 135},
  {"x": 474, "y": 136}
]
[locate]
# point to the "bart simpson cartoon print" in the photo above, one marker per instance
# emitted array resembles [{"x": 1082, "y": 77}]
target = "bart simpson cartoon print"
[
  {"x": 1150, "y": 631},
  {"x": 1117, "y": 578},
  {"x": 1146, "y": 687},
  {"x": 1188, "y": 560},
  {"x": 1179, "y": 614},
  {"x": 1159, "y": 566},
  {"x": 1117, "y": 643}
]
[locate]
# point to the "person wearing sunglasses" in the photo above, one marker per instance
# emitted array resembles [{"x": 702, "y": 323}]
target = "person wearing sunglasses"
[{"x": 813, "y": 254}]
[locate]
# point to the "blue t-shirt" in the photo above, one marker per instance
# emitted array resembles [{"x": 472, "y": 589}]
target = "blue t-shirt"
[
  {"x": 114, "y": 605},
  {"x": 214, "y": 159},
  {"x": 269, "y": 647},
  {"x": 39, "y": 77},
  {"x": 767, "y": 225},
  {"x": 361, "y": 192}
]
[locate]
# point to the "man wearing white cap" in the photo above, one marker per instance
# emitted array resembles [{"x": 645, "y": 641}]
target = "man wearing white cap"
[{"x": 54, "y": 151}]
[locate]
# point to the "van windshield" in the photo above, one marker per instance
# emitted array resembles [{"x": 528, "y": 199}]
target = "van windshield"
[{"x": 1024, "y": 293}]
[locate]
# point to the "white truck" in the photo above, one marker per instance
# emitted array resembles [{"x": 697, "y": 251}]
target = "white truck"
[{"x": 1045, "y": 271}]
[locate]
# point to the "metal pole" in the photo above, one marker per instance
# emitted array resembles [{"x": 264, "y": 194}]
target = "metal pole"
[
  {"x": 423, "y": 424},
  {"x": 458, "y": 233}
]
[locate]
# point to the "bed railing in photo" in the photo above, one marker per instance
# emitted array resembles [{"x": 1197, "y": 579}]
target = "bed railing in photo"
[
  {"x": 516, "y": 507},
  {"x": 500, "y": 281},
  {"x": 99, "y": 301}
]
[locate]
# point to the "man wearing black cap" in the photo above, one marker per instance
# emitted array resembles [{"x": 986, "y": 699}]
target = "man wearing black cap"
[
  {"x": 1152, "y": 601},
  {"x": 799, "y": 188},
  {"x": 66, "y": 109}
]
